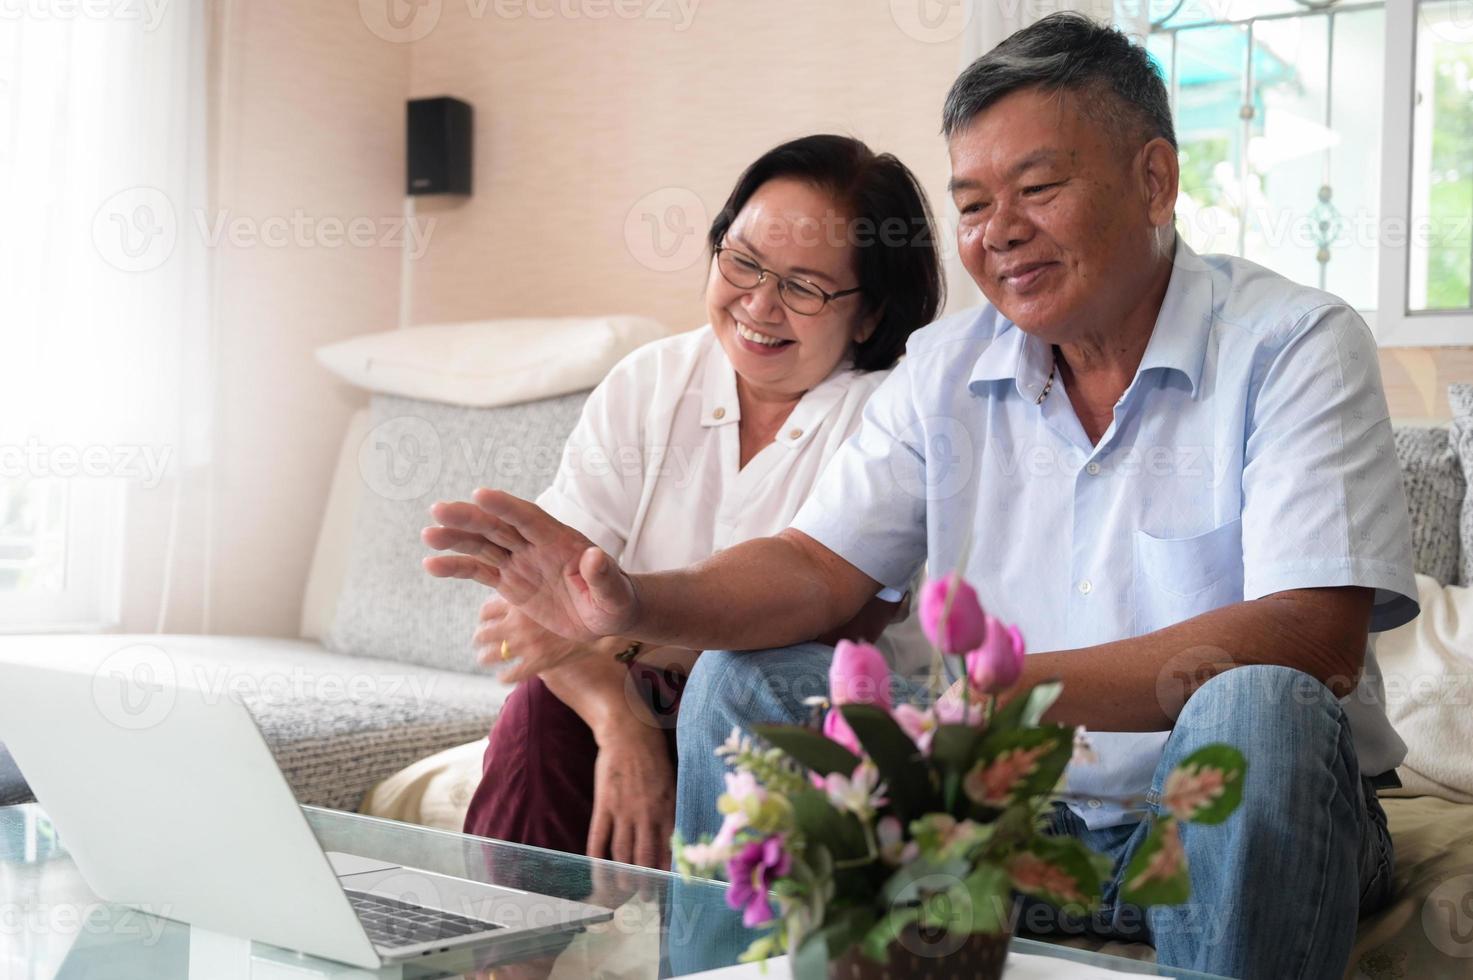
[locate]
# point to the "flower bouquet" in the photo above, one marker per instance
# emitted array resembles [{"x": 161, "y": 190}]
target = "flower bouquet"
[{"x": 897, "y": 836}]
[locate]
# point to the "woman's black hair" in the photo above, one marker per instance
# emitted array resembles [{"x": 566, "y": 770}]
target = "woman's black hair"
[{"x": 889, "y": 223}]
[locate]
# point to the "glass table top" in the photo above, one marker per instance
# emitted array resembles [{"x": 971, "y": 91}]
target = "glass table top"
[{"x": 53, "y": 926}]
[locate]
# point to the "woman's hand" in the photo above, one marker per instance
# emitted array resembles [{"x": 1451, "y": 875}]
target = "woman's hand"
[
  {"x": 633, "y": 797},
  {"x": 546, "y": 569},
  {"x": 530, "y": 647}
]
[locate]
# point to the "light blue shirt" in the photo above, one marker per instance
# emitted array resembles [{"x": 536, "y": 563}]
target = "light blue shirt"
[{"x": 1251, "y": 454}]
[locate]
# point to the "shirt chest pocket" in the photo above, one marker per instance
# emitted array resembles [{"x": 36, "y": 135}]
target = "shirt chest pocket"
[{"x": 1178, "y": 578}]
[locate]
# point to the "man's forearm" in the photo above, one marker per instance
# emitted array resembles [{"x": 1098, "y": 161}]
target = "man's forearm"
[
  {"x": 1140, "y": 684},
  {"x": 767, "y": 592}
]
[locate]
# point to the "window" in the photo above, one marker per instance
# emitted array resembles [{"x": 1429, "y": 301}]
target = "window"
[
  {"x": 1331, "y": 142},
  {"x": 59, "y": 552}
]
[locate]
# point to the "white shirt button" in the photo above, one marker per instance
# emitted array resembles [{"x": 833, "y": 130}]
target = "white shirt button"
[
  {"x": 1093, "y": 469},
  {"x": 1086, "y": 587},
  {"x": 794, "y": 433},
  {"x": 719, "y": 413},
  {"x": 1094, "y": 804}
]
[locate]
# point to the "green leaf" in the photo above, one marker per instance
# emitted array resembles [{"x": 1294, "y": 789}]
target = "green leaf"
[
  {"x": 876, "y": 942},
  {"x": 818, "y": 752},
  {"x": 954, "y": 747},
  {"x": 907, "y": 775},
  {"x": 820, "y": 821},
  {"x": 810, "y": 961},
  {"x": 990, "y": 895},
  {"x": 845, "y": 927},
  {"x": 1047, "y": 767},
  {"x": 1144, "y": 884},
  {"x": 1073, "y": 861},
  {"x": 1223, "y": 758},
  {"x": 1026, "y": 710},
  {"x": 903, "y": 887}
]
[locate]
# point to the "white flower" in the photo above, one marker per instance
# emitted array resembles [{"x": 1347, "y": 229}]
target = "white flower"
[
  {"x": 859, "y": 793},
  {"x": 1084, "y": 753}
]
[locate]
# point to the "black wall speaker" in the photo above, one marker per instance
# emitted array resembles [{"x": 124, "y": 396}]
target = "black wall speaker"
[{"x": 439, "y": 146}]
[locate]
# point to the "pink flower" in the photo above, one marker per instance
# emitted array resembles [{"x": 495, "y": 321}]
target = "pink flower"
[
  {"x": 859, "y": 675},
  {"x": 964, "y": 623},
  {"x": 752, "y": 872},
  {"x": 993, "y": 784},
  {"x": 1189, "y": 790},
  {"x": 836, "y": 728},
  {"x": 998, "y": 661}
]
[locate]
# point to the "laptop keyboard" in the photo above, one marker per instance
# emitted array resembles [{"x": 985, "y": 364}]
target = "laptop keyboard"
[{"x": 390, "y": 922}]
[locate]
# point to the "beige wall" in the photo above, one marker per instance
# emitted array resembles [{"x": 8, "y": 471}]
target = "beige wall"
[
  {"x": 308, "y": 129},
  {"x": 579, "y": 121}
]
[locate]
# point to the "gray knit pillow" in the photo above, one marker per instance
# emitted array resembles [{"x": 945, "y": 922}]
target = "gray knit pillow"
[
  {"x": 1460, "y": 397},
  {"x": 416, "y": 453},
  {"x": 1434, "y": 487}
]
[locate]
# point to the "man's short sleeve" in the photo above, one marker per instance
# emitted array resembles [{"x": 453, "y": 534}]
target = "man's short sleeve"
[
  {"x": 1323, "y": 503},
  {"x": 865, "y": 507}
]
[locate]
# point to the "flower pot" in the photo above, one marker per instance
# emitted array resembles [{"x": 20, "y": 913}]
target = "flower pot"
[{"x": 935, "y": 956}]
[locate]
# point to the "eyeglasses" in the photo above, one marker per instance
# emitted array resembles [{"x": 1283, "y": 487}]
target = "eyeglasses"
[{"x": 798, "y": 295}]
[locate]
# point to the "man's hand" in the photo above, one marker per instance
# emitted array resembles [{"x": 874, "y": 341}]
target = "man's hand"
[
  {"x": 530, "y": 647},
  {"x": 549, "y": 571}
]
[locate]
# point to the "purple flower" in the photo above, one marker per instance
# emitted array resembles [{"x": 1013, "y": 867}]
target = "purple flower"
[
  {"x": 752, "y": 873},
  {"x": 998, "y": 661},
  {"x": 965, "y": 624}
]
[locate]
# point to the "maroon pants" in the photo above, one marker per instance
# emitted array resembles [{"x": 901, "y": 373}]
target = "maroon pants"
[{"x": 537, "y": 776}]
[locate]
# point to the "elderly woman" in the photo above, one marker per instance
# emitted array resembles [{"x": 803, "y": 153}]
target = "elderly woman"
[{"x": 823, "y": 264}]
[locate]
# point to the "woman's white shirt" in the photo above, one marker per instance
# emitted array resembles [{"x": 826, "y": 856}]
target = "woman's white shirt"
[{"x": 652, "y": 472}]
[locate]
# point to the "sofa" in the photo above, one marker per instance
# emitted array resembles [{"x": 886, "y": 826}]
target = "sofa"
[{"x": 379, "y": 704}]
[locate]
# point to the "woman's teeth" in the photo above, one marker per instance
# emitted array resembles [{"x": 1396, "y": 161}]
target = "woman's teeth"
[{"x": 759, "y": 338}]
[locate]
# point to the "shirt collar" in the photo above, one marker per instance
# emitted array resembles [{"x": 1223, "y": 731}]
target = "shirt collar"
[
  {"x": 1178, "y": 340},
  {"x": 719, "y": 404}
]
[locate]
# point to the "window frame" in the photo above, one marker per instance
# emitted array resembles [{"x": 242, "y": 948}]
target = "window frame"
[
  {"x": 1393, "y": 324},
  {"x": 1396, "y": 325},
  {"x": 91, "y": 599}
]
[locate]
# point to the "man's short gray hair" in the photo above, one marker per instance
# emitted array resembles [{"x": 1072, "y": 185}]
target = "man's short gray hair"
[{"x": 1069, "y": 52}]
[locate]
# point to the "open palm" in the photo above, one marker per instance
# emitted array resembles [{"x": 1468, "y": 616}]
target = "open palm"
[{"x": 546, "y": 569}]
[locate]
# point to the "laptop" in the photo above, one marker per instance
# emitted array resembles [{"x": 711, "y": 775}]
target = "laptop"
[{"x": 169, "y": 801}]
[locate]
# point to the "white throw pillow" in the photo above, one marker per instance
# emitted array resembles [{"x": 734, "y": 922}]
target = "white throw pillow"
[
  {"x": 1428, "y": 668},
  {"x": 490, "y": 362}
]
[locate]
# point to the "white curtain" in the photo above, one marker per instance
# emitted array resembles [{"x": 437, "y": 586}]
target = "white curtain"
[
  {"x": 988, "y": 22},
  {"x": 104, "y": 286}
]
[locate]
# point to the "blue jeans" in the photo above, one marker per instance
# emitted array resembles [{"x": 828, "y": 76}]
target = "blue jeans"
[{"x": 1276, "y": 890}]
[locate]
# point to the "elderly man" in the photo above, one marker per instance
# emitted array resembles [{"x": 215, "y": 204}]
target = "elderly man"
[{"x": 1174, "y": 473}]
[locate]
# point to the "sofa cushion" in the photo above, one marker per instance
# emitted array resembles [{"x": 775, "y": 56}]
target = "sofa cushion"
[
  {"x": 1460, "y": 398},
  {"x": 415, "y": 453},
  {"x": 490, "y": 362},
  {"x": 1435, "y": 489}
]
